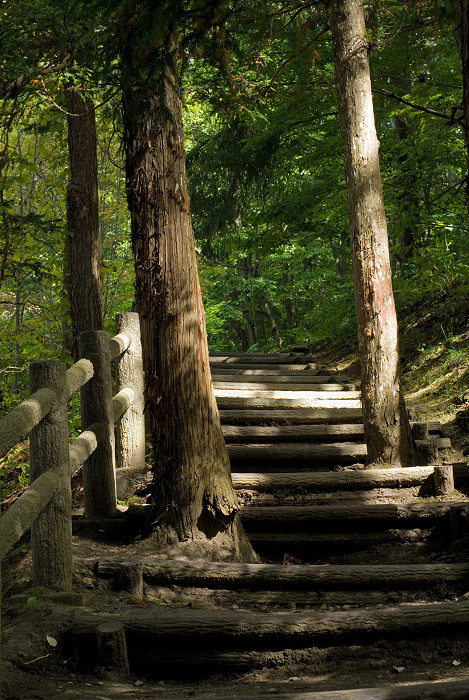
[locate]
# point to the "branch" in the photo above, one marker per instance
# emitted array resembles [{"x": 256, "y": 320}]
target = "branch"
[
  {"x": 420, "y": 108},
  {"x": 15, "y": 85}
]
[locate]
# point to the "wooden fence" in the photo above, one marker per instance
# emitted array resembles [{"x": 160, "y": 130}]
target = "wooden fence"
[{"x": 45, "y": 506}]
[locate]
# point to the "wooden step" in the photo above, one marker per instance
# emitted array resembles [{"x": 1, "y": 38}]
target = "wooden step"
[
  {"x": 279, "y": 368},
  {"x": 295, "y": 517},
  {"x": 225, "y": 355},
  {"x": 296, "y": 416},
  {"x": 345, "y": 480},
  {"x": 237, "y": 377},
  {"x": 276, "y": 387},
  {"x": 288, "y": 394},
  {"x": 292, "y": 433},
  {"x": 231, "y": 575},
  {"x": 303, "y": 452},
  {"x": 165, "y": 641},
  {"x": 246, "y": 403},
  {"x": 429, "y": 690},
  {"x": 261, "y": 360},
  {"x": 306, "y": 433},
  {"x": 289, "y": 453}
]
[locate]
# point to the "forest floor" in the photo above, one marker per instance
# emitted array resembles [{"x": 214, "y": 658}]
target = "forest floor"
[{"x": 37, "y": 663}]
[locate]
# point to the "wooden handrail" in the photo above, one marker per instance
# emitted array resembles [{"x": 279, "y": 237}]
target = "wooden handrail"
[
  {"x": 78, "y": 374},
  {"x": 35, "y": 509},
  {"x": 22, "y": 419}
]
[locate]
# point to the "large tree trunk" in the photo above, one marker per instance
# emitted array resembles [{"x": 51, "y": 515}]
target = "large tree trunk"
[
  {"x": 82, "y": 281},
  {"x": 387, "y": 430},
  {"x": 192, "y": 491}
]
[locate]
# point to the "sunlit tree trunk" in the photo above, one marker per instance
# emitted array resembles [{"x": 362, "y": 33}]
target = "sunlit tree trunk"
[
  {"x": 465, "y": 80},
  {"x": 192, "y": 492},
  {"x": 387, "y": 429},
  {"x": 82, "y": 281}
]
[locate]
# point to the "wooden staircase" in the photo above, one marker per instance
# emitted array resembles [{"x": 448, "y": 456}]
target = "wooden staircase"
[{"x": 361, "y": 567}]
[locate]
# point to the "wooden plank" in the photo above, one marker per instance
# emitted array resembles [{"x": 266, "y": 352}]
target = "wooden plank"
[
  {"x": 434, "y": 690},
  {"x": 292, "y": 433},
  {"x": 236, "y": 377},
  {"x": 210, "y": 628},
  {"x": 289, "y": 394},
  {"x": 230, "y": 403},
  {"x": 297, "y": 416},
  {"x": 222, "y": 366},
  {"x": 280, "y": 516},
  {"x": 268, "y": 360},
  {"x": 297, "y": 452},
  {"x": 276, "y": 387},
  {"x": 232, "y": 575},
  {"x": 334, "y": 481},
  {"x": 220, "y": 354}
]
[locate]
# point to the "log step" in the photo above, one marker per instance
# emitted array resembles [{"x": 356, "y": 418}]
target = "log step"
[
  {"x": 292, "y": 433},
  {"x": 286, "y": 387},
  {"x": 266, "y": 359},
  {"x": 286, "y": 393},
  {"x": 276, "y": 368},
  {"x": 231, "y": 575},
  {"x": 304, "y": 433},
  {"x": 232, "y": 371},
  {"x": 384, "y": 514},
  {"x": 156, "y": 637},
  {"x": 296, "y": 416},
  {"x": 275, "y": 453},
  {"x": 335, "y": 481},
  {"x": 301, "y": 453},
  {"x": 266, "y": 377},
  {"x": 430, "y": 690},
  {"x": 221, "y": 355},
  {"x": 247, "y": 403}
]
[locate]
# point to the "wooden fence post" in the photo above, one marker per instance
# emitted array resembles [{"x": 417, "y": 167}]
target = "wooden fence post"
[
  {"x": 51, "y": 532},
  {"x": 99, "y": 478},
  {"x": 130, "y": 446}
]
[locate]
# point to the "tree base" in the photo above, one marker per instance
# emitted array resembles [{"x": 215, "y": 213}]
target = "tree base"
[{"x": 230, "y": 545}]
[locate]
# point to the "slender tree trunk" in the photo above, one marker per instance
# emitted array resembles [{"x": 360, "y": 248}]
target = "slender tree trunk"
[
  {"x": 465, "y": 81},
  {"x": 81, "y": 276},
  {"x": 387, "y": 429},
  {"x": 275, "y": 332},
  {"x": 192, "y": 491}
]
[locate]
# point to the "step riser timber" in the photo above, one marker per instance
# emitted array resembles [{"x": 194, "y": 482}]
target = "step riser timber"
[
  {"x": 332, "y": 416},
  {"x": 239, "y": 377},
  {"x": 302, "y": 433},
  {"x": 334, "y": 453},
  {"x": 269, "y": 387},
  {"x": 206, "y": 639},
  {"x": 230, "y": 403},
  {"x": 361, "y": 479},
  {"x": 282, "y": 367},
  {"x": 303, "y": 395},
  {"x": 224, "y": 575}
]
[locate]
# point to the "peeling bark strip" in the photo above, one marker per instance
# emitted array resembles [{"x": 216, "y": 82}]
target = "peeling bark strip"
[
  {"x": 387, "y": 427},
  {"x": 192, "y": 489}
]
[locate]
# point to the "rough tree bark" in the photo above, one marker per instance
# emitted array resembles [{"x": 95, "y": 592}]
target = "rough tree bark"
[
  {"x": 387, "y": 430},
  {"x": 465, "y": 79},
  {"x": 192, "y": 492},
  {"x": 81, "y": 276}
]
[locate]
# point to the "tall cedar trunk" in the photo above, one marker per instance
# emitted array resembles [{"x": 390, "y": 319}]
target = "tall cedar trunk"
[
  {"x": 465, "y": 80},
  {"x": 81, "y": 276},
  {"x": 192, "y": 490},
  {"x": 387, "y": 430}
]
